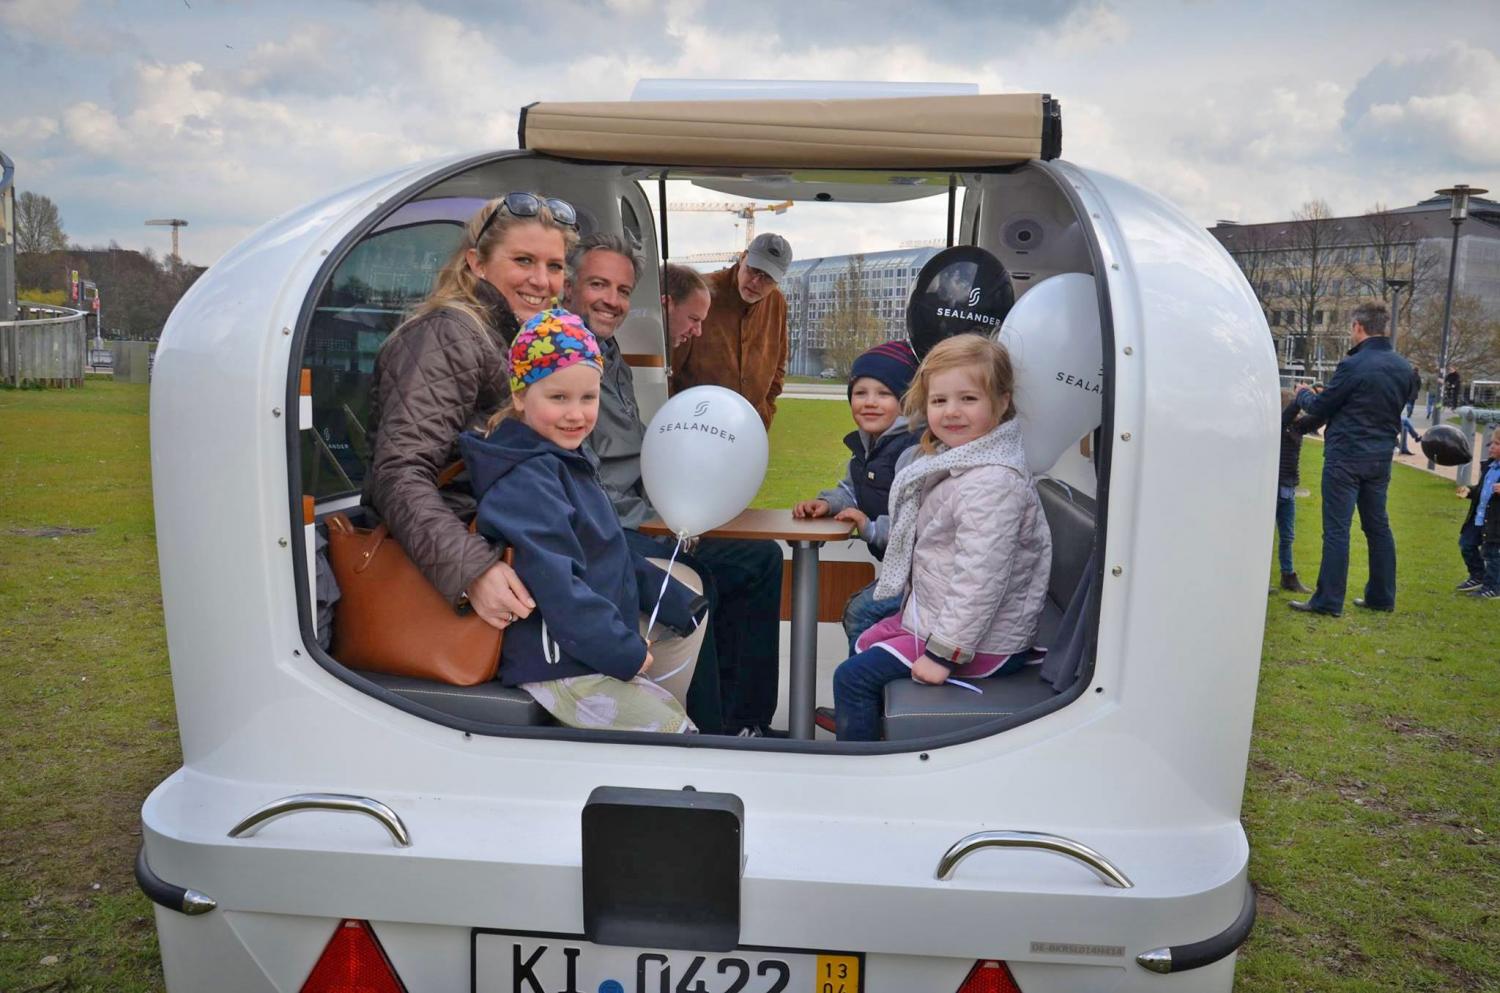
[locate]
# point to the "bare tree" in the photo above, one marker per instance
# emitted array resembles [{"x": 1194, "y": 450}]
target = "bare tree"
[
  {"x": 1253, "y": 254},
  {"x": 1397, "y": 255},
  {"x": 851, "y": 326},
  {"x": 1473, "y": 338},
  {"x": 38, "y": 225},
  {"x": 1307, "y": 271}
]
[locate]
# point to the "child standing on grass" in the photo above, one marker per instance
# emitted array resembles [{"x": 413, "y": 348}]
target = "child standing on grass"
[
  {"x": 878, "y": 380},
  {"x": 1293, "y": 427},
  {"x": 579, "y": 654},
  {"x": 1479, "y": 538},
  {"x": 969, "y": 546}
]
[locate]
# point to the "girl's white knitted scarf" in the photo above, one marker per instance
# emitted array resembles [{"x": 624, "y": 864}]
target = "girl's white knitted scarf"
[{"x": 1002, "y": 447}]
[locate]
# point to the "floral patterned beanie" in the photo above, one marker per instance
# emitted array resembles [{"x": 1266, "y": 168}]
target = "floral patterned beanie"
[{"x": 550, "y": 341}]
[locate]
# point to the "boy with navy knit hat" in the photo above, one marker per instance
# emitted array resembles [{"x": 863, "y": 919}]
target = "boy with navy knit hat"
[
  {"x": 1479, "y": 538},
  {"x": 878, "y": 380}
]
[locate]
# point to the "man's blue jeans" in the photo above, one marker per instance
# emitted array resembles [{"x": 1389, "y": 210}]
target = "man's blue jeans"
[
  {"x": 859, "y": 693},
  {"x": 863, "y": 610},
  {"x": 1360, "y": 483},
  {"x": 1286, "y": 525}
]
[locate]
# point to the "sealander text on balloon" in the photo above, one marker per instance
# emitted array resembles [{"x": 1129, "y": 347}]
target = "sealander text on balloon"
[{"x": 707, "y": 429}]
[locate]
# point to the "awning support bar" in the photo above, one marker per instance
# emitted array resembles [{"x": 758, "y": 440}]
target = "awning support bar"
[
  {"x": 952, "y": 202},
  {"x": 661, "y": 208}
]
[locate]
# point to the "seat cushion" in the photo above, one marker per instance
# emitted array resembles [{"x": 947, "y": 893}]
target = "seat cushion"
[
  {"x": 487, "y": 703},
  {"x": 1070, "y": 518},
  {"x": 913, "y": 710}
]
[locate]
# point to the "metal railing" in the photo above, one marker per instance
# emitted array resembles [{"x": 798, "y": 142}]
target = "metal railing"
[
  {"x": 1470, "y": 420},
  {"x": 47, "y": 351}
]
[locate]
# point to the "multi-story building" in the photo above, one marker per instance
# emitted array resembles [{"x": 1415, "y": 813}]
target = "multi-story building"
[
  {"x": 811, "y": 290},
  {"x": 1310, "y": 273}
]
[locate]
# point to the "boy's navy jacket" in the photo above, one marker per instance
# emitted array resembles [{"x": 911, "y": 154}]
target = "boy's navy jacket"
[
  {"x": 867, "y": 481},
  {"x": 1491, "y": 526},
  {"x": 590, "y": 588},
  {"x": 1362, "y": 402},
  {"x": 1293, "y": 426}
]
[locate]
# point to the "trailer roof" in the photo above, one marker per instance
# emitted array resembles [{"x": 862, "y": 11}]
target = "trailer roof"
[{"x": 945, "y": 132}]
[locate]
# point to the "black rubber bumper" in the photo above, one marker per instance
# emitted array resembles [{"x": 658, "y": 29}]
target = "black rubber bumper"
[
  {"x": 1197, "y": 954},
  {"x": 165, "y": 894}
]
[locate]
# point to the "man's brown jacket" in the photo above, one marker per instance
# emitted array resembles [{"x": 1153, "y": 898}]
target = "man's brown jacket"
[{"x": 743, "y": 346}]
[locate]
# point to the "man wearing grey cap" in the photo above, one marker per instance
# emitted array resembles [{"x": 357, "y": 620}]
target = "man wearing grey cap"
[{"x": 744, "y": 343}]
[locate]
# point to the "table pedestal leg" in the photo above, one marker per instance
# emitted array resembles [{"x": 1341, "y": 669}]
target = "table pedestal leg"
[{"x": 804, "y": 667}]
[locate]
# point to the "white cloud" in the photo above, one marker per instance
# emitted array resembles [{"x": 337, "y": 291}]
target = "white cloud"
[
  {"x": 1436, "y": 107},
  {"x": 1090, "y": 28},
  {"x": 40, "y": 17}
]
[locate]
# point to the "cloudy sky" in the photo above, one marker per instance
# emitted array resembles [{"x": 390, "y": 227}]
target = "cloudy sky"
[{"x": 228, "y": 113}]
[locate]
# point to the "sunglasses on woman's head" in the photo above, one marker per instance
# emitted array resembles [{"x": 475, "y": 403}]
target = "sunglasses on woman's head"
[{"x": 529, "y": 205}]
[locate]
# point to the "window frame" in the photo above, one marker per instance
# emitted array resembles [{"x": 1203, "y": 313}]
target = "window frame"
[{"x": 1102, "y": 445}]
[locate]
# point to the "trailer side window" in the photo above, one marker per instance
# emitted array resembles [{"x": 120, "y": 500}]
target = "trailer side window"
[{"x": 382, "y": 278}]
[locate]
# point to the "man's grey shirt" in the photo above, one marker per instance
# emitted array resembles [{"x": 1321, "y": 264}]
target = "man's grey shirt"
[{"x": 616, "y": 439}]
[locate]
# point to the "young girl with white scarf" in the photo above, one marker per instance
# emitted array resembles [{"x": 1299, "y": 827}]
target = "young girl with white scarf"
[{"x": 969, "y": 546}]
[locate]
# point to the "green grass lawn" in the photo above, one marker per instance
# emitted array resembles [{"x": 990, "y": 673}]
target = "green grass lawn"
[{"x": 1373, "y": 785}]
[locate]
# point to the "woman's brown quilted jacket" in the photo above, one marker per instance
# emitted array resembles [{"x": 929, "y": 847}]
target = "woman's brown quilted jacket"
[{"x": 434, "y": 379}]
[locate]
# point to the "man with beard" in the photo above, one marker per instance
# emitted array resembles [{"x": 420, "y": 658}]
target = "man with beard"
[{"x": 735, "y": 685}]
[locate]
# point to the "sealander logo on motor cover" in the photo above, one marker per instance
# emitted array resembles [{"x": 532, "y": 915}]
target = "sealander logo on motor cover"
[
  {"x": 712, "y": 430},
  {"x": 1095, "y": 385}
]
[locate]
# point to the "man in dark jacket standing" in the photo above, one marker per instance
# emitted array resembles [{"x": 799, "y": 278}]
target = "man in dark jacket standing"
[{"x": 1362, "y": 407}]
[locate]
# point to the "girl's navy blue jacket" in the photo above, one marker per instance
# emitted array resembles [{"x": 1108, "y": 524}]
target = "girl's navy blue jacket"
[{"x": 590, "y": 589}]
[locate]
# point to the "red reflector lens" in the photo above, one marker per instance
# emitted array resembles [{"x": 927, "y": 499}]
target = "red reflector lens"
[
  {"x": 353, "y": 962},
  {"x": 989, "y": 976}
]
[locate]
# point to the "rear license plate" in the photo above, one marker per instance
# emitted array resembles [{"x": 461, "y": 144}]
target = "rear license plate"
[{"x": 506, "y": 962}]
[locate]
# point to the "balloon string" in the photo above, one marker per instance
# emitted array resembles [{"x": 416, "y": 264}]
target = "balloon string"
[{"x": 660, "y": 596}]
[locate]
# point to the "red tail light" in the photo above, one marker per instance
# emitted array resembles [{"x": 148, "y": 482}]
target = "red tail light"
[
  {"x": 353, "y": 962},
  {"x": 989, "y": 976}
]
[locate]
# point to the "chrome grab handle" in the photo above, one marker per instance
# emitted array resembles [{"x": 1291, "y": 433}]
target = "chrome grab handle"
[
  {"x": 1035, "y": 841},
  {"x": 325, "y": 801}
]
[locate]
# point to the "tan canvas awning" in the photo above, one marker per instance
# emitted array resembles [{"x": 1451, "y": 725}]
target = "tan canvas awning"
[{"x": 903, "y": 133}]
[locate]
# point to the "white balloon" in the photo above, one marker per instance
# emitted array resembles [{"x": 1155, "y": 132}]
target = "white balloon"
[
  {"x": 1052, "y": 334},
  {"x": 703, "y": 458}
]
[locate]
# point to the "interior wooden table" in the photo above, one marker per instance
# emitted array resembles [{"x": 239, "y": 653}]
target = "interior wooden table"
[{"x": 805, "y": 536}]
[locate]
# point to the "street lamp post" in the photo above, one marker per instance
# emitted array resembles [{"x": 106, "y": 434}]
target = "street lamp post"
[
  {"x": 1395, "y": 286},
  {"x": 1458, "y": 196}
]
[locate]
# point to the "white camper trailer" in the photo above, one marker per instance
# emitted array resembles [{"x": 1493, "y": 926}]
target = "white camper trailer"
[{"x": 1078, "y": 832}]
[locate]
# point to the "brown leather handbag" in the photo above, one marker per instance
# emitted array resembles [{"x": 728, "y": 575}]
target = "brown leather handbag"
[{"x": 390, "y": 619}]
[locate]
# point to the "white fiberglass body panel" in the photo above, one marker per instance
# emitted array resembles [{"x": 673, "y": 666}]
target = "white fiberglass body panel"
[{"x": 1145, "y": 767}]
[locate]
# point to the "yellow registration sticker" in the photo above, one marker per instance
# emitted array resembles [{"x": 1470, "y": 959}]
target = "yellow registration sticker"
[{"x": 837, "y": 974}]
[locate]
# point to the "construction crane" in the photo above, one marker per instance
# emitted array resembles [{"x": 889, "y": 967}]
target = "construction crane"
[
  {"x": 174, "y": 223},
  {"x": 744, "y": 211},
  {"x": 708, "y": 257}
]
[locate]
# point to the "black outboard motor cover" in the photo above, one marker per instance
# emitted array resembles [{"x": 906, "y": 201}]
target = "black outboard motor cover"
[
  {"x": 1446, "y": 445},
  {"x": 960, "y": 290}
]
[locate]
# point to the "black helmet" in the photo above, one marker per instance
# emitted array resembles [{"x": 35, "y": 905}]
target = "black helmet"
[
  {"x": 959, "y": 289},
  {"x": 1446, "y": 445}
]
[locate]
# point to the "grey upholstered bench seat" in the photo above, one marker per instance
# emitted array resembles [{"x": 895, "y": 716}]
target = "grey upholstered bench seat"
[
  {"x": 916, "y": 711},
  {"x": 487, "y": 703}
]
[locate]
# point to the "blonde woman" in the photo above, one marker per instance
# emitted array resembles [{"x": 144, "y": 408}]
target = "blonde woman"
[{"x": 445, "y": 371}]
